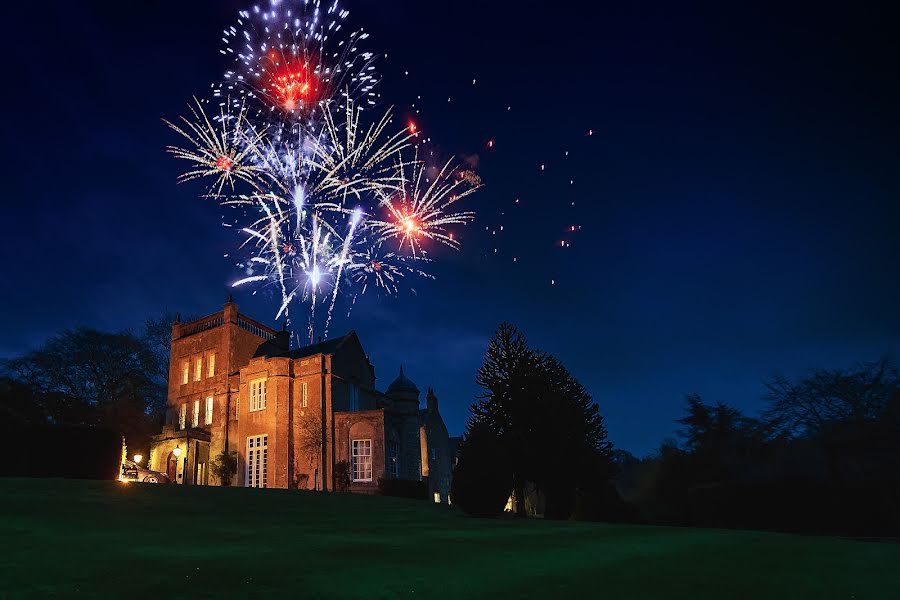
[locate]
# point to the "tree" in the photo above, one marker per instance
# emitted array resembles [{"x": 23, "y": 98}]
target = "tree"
[
  {"x": 575, "y": 453},
  {"x": 483, "y": 477},
  {"x": 844, "y": 411},
  {"x": 20, "y": 403},
  {"x": 549, "y": 425},
  {"x": 718, "y": 438},
  {"x": 311, "y": 439},
  {"x": 507, "y": 405},
  {"x": 89, "y": 377}
]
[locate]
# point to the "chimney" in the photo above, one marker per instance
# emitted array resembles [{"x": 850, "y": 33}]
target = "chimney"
[
  {"x": 282, "y": 339},
  {"x": 431, "y": 401},
  {"x": 176, "y": 327},
  {"x": 230, "y": 311}
]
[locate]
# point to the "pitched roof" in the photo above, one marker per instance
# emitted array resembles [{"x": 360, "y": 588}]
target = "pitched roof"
[{"x": 326, "y": 347}]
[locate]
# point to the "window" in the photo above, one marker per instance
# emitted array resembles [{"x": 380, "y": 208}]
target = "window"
[
  {"x": 434, "y": 454},
  {"x": 361, "y": 460},
  {"x": 182, "y": 416},
  {"x": 257, "y": 395},
  {"x": 437, "y": 497},
  {"x": 185, "y": 372},
  {"x": 198, "y": 369},
  {"x": 209, "y": 410},
  {"x": 257, "y": 461},
  {"x": 354, "y": 397},
  {"x": 393, "y": 456},
  {"x": 211, "y": 365},
  {"x": 196, "y": 420},
  {"x": 304, "y": 395}
]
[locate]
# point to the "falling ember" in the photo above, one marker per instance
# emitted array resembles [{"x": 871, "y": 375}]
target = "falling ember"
[
  {"x": 413, "y": 129},
  {"x": 490, "y": 143}
]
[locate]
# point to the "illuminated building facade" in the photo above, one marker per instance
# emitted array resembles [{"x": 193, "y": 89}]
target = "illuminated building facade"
[{"x": 292, "y": 416}]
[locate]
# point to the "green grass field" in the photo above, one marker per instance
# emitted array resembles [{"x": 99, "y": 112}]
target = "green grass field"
[{"x": 105, "y": 539}]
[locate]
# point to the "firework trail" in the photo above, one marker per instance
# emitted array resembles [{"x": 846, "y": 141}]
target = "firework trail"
[{"x": 331, "y": 202}]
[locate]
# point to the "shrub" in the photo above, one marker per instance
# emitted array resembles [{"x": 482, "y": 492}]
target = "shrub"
[
  {"x": 51, "y": 448},
  {"x": 400, "y": 488},
  {"x": 482, "y": 480},
  {"x": 224, "y": 467},
  {"x": 602, "y": 502},
  {"x": 342, "y": 476}
]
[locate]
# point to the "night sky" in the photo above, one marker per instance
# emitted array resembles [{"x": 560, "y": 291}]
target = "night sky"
[{"x": 739, "y": 199}]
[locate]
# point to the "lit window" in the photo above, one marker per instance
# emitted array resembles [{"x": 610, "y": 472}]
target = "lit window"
[
  {"x": 198, "y": 369},
  {"x": 209, "y": 410},
  {"x": 196, "y": 420},
  {"x": 185, "y": 372},
  {"x": 237, "y": 407},
  {"x": 437, "y": 497},
  {"x": 304, "y": 395},
  {"x": 182, "y": 416},
  {"x": 257, "y": 461},
  {"x": 211, "y": 365},
  {"x": 361, "y": 459},
  {"x": 257, "y": 395},
  {"x": 393, "y": 465}
]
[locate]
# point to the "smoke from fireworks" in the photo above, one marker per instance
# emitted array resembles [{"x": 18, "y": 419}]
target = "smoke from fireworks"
[{"x": 331, "y": 202}]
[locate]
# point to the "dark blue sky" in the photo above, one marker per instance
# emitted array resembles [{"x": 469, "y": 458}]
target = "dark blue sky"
[{"x": 739, "y": 199}]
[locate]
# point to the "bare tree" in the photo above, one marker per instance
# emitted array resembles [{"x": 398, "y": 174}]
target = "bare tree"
[
  {"x": 836, "y": 408},
  {"x": 311, "y": 438}
]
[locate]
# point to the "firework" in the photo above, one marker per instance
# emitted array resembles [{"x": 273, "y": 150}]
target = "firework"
[
  {"x": 291, "y": 60},
  {"x": 220, "y": 148},
  {"x": 423, "y": 208},
  {"x": 330, "y": 202},
  {"x": 381, "y": 269}
]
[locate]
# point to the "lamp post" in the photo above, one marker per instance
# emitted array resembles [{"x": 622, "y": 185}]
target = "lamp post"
[{"x": 177, "y": 453}]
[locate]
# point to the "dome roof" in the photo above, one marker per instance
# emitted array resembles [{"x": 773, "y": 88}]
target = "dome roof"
[{"x": 402, "y": 384}]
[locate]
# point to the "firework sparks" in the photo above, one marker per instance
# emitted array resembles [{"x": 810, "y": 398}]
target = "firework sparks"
[
  {"x": 422, "y": 208},
  {"x": 220, "y": 148},
  {"x": 292, "y": 60}
]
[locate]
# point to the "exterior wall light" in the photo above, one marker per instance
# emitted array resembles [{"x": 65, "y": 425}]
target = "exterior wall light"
[{"x": 138, "y": 458}]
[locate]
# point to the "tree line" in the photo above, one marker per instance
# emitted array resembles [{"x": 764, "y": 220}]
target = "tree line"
[
  {"x": 84, "y": 378},
  {"x": 823, "y": 456}
]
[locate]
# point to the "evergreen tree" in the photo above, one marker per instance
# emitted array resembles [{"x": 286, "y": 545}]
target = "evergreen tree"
[{"x": 546, "y": 420}]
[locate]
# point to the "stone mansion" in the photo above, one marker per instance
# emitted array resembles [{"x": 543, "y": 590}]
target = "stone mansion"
[{"x": 290, "y": 415}]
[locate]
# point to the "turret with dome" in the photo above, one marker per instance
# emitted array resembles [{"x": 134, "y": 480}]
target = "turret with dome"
[{"x": 403, "y": 388}]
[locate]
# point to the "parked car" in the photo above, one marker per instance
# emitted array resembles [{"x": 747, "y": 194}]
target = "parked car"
[{"x": 131, "y": 471}]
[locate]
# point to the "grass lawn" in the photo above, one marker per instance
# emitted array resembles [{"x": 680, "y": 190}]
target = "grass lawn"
[{"x": 104, "y": 539}]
